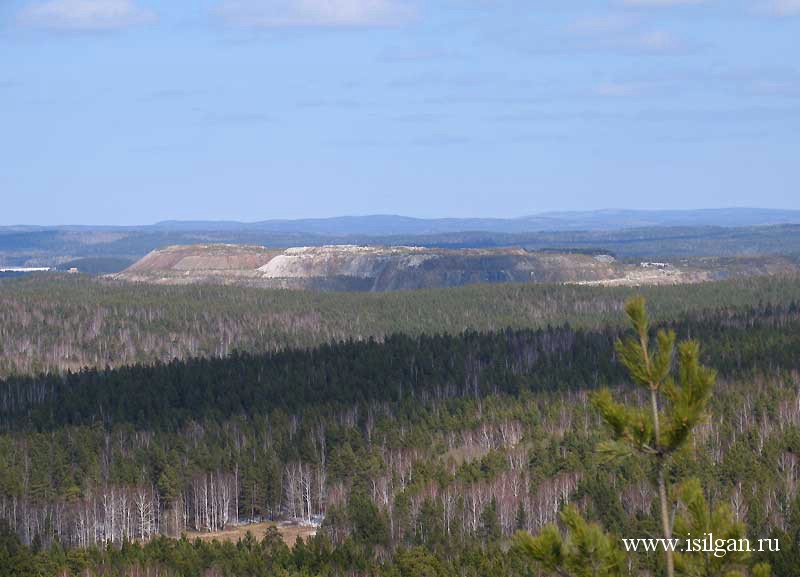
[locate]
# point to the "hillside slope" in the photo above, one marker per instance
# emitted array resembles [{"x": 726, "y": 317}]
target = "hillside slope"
[
  {"x": 388, "y": 268},
  {"x": 59, "y": 322},
  {"x": 359, "y": 268}
]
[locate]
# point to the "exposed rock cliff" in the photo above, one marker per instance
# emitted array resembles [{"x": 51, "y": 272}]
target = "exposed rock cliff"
[{"x": 347, "y": 267}]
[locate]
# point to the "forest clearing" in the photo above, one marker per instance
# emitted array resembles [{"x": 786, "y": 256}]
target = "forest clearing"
[{"x": 288, "y": 531}]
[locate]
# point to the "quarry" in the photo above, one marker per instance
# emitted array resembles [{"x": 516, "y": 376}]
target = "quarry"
[{"x": 386, "y": 268}]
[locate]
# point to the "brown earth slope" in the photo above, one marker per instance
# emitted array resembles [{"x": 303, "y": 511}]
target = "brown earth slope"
[{"x": 190, "y": 264}]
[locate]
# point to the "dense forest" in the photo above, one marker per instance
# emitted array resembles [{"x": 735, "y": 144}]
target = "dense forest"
[
  {"x": 421, "y": 454},
  {"x": 69, "y": 322}
]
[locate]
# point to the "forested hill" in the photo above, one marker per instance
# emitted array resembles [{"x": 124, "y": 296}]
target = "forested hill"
[
  {"x": 71, "y": 322},
  {"x": 444, "y": 443},
  {"x": 167, "y": 396}
]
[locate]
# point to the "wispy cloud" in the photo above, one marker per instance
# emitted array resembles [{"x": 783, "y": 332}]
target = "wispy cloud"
[
  {"x": 661, "y": 3},
  {"x": 441, "y": 140},
  {"x": 783, "y": 7},
  {"x": 788, "y": 88},
  {"x": 237, "y": 119},
  {"x": 622, "y": 31},
  {"x": 418, "y": 118},
  {"x": 656, "y": 41},
  {"x": 315, "y": 13},
  {"x": 602, "y": 24},
  {"x": 85, "y": 15},
  {"x": 170, "y": 94},
  {"x": 332, "y": 103},
  {"x": 616, "y": 89},
  {"x": 633, "y": 88},
  {"x": 419, "y": 55},
  {"x": 773, "y": 116}
]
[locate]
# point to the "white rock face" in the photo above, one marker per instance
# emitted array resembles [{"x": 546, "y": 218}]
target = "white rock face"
[
  {"x": 344, "y": 260},
  {"x": 363, "y": 268}
]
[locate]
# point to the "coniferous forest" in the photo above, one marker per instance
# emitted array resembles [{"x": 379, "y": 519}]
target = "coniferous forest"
[
  {"x": 470, "y": 432},
  {"x": 399, "y": 288}
]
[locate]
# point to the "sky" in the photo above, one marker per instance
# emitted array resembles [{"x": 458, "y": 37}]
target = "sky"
[{"x": 136, "y": 111}]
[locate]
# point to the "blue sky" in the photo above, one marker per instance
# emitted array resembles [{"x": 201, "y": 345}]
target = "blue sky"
[{"x": 133, "y": 111}]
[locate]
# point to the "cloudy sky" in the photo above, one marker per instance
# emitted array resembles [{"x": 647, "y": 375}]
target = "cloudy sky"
[{"x": 133, "y": 111}]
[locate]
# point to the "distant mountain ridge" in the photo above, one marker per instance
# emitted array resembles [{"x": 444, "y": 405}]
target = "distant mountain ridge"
[
  {"x": 598, "y": 220},
  {"x": 651, "y": 235},
  {"x": 389, "y": 225}
]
